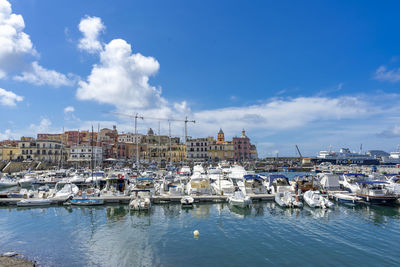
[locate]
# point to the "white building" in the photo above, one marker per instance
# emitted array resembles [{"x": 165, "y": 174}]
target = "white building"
[
  {"x": 84, "y": 154},
  {"x": 197, "y": 149},
  {"x": 130, "y": 138}
]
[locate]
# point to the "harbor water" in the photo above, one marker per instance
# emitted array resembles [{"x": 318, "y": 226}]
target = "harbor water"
[{"x": 264, "y": 234}]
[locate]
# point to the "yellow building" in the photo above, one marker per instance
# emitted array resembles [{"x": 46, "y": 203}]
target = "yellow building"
[
  {"x": 9, "y": 153},
  {"x": 220, "y": 150}
]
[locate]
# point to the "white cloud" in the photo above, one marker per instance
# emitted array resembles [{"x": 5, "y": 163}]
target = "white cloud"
[
  {"x": 8, "y": 98},
  {"x": 90, "y": 28},
  {"x": 282, "y": 114},
  {"x": 15, "y": 45},
  {"x": 8, "y": 134},
  {"x": 17, "y": 52},
  {"x": 43, "y": 127},
  {"x": 40, "y": 76},
  {"x": 382, "y": 74},
  {"x": 69, "y": 109},
  {"x": 121, "y": 79}
]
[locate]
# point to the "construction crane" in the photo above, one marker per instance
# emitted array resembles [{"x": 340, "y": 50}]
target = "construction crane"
[
  {"x": 298, "y": 150},
  {"x": 301, "y": 157},
  {"x": 151, "y": 118}
]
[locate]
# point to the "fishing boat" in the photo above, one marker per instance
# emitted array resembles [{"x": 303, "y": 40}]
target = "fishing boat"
[
  {"x": 33, "y": 202},
  {"x": 287, "y": 199},
  {"x": 239, "y": 199},
  {"x": 305, "y": 183},
  {"x": 314, "y": 199},
  {"x": 347, "y": 199},
  {"x": 187, "y": 202},
  {"x": 374, "y": 192}
]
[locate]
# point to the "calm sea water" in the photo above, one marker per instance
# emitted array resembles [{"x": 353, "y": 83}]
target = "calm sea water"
[{"x": 265, "y": 234}]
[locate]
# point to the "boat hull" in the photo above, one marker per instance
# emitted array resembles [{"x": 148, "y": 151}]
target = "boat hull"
[
  {"x": 378, "y": 200},
  {"x": 87, "y": 202},
  {"x": 33, "y": 203}
]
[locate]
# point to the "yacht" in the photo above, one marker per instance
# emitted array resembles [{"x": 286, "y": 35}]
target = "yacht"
[{"x": 199, "y": 182}]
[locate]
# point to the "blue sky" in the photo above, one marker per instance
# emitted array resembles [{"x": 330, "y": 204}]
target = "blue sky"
[{"x": 312, "y": 73}]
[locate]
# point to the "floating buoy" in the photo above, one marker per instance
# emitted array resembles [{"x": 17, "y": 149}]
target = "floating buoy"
[{"x": 196, "y": 233}]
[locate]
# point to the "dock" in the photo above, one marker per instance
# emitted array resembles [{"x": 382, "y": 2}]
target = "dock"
[{"x": 164, "y": 199}]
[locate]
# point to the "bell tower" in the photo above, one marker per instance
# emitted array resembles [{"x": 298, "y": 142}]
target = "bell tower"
[{"x": 221, "y": 136}]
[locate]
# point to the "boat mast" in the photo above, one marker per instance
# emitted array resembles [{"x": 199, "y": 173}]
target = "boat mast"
[{"x": 92, "y": 153}]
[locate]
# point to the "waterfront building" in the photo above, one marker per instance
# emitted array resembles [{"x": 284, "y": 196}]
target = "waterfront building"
[
  {"x": 8, "y": 152},
  {"x": 129, "y": 138},
  {"x": 107, "y": 135},
  {"x": 220, "y": 150},
  {"x": 54, "y": 137},
  {"x": 42, "y": 150},
  {"x": 242, "y": 147},
  {"x": 82, "y": 155},
  {"x": 197, "y": 149}
]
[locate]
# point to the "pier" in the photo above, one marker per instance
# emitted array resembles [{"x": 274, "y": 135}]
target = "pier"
[{"x": 154, "y": 199}]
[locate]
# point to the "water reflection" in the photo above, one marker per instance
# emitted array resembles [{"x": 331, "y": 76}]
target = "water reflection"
[
  {"x": 240, "y": 212},
  {"x": 201, "y": 210},
  {"x": 116, "y": 213}
]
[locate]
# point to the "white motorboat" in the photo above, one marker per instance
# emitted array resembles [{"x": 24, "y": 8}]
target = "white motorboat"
[
  {"x": 287, "y": 199},
  {"x": 28, "y": 179},
  {"x": 67, "y": 190},
  {"x": 328, "y": 181},
  {"x": 187, "y": 202},
  {"x": 375, "y": 192},
  {"x": 239, "y": 199},
  {"x": 199, "y": 182},
  {"x": 393, "y": 185},
  {"x": 349, "y": 181},
  {"x": 222, "y": 186},
  {"x": 7, "y": 182},
  {"x": 346, "y": 199},
  {"x": 77, "y": 179},
  {"x": 141, "y": 200},
  {"x": 276, "y": 183},
  {"x": 315, "y": 200},
  {"x": 254, "y": 184},
  {"x": 33, "y": 202}
]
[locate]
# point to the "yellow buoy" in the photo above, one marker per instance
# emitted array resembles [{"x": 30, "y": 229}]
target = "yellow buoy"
[{"x": 196, "y": 233}]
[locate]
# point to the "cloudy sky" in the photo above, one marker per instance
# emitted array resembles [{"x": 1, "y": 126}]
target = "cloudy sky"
[{"x": 312, "y": 73}]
